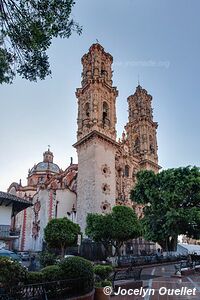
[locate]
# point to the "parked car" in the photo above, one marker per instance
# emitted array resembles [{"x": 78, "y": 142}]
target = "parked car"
[
  {"x": 12, "y": 255},
  {"x": 24, "y": 255},
  {"x": 68, "y": 255}
]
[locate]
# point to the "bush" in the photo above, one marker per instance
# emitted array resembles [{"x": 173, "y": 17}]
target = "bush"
[
  {"x": 11, "y": 273},
  {"x": 52, "y": 273},
  {"x": 34, "y": 277},
  {"x": 78, "y": 268},
  {"x": 103, "y": 283},
  {"x": 103, "y": 271},
  {"x": 47, "y": 258}
]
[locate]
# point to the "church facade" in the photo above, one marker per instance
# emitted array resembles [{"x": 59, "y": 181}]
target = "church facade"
[{"x": 107, "y": 167}]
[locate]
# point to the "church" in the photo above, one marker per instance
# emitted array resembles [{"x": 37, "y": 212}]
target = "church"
[{"x": 107, "y": 167}]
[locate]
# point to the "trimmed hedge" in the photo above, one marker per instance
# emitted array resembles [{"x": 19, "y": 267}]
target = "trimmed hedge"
[
  {"x": 52, "y": 273},
  {"x": 78, "y": 267},
  {"x": 34, "y": 277},
  {"x": 103, "y": 271},
  {"x": 47, "y": 258}
]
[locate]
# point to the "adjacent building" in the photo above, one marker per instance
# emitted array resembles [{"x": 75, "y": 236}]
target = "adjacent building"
[{"x": 10, "y": 206}]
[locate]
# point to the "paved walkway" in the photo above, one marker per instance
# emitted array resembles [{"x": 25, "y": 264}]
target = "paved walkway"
[{"x": 159, "y": 285}]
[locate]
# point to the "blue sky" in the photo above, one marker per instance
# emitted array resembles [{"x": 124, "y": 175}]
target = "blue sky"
[{"x": 158, "y": 40}]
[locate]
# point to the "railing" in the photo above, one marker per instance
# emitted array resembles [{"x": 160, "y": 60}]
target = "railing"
[
  {"x": 6, "y": 231},
  {"x": 49, "y": 290},
  {"x": 131, "y": 260}
]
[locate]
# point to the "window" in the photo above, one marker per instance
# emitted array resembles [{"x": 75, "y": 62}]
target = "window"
[
  {"x": 105, "y": 114},
  {"x": 126, "y": 171},
  {"x": 87, "y": 110},
  {"x": 137, "y": 145}
]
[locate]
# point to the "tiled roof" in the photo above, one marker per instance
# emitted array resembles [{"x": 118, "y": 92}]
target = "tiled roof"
[{"x": 18, "y": 203}]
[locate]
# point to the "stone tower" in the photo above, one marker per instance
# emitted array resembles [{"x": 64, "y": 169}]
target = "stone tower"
[
  {"x": 96, "y": 135},
  {"x": 141, "y": 130}
]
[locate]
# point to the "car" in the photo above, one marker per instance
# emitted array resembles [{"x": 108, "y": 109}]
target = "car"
[
  {"x": 10, "y": 254},
  {"x": 24, "y": 255},
  {"x": 68, "y": 255}
]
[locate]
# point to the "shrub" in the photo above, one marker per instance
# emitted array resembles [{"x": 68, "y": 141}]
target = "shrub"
[
  {"x": 80, "y": 269},
  {"x": 47, "y": 258},
  {"x": 52, "y": 273},
  {"x": 11, "y": 273},
  {"x": 103, "y": 283},
  {"x": 103, "y": 271},
  {"x": 34, "y": 277}
]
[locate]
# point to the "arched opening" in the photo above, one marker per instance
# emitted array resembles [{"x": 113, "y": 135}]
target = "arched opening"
[
  {"x": 105, "y": 116},
  {"x": 126, "y": 171},
  {"x": 136, "y": 145},
  {"x": 151, "y": 145},
  {"x": 103, "y": 70},
  {"x": 87, "y": 110}
]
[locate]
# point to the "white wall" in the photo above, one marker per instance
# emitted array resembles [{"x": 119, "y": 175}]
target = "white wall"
[
  {"x": 5, "y": 215},
  {"x": 65, "y": 199},
  {"x": 90, "y": 196}
]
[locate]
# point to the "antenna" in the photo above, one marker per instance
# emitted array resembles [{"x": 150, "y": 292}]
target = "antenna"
[
  {"x": 97, "y": 41},
  {"x": 49, "y": 147}
]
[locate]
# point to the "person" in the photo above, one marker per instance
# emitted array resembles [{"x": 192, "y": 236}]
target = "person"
[
  {"x": 189, "y": 261},
  {"x": 158, "y": 254},
  {"x": 32, "y": 266}
]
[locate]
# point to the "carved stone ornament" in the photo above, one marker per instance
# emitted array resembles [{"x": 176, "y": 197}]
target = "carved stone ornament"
[
  {"x": 105, "y": 170},
  {"x": 105, "y": 207},
  {"x": 106, "y": 188}
]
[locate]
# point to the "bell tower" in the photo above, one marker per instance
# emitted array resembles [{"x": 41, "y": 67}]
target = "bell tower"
[
  {"x": 96, "y": 135},
  {"x": 97, "y": 96},
  {"x": 141, "y": 130}
]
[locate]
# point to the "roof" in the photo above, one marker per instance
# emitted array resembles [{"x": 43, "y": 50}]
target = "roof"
[
  {"x": 190, "y": 248},
  {"x": 18, "y": 203},
  {"x": 44, "y": 167}
]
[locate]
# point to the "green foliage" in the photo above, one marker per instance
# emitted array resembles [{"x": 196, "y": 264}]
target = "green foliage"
[
  {"x": 52, "y": 273},
  {"x": 47, "y": 258},
  {"x": 11, "y": 273},
  {"x": 114, "y": 228},
  {"x": 103, "y": 283},
  {"x": 61, "y": 233},
  {"x": 103, "y": 271},
  {"x": 34, "y": 277},
  {"x": 172, "y": 204},
  {"x": 78, "y": 267},
  {"x": 27, "y": 30}
]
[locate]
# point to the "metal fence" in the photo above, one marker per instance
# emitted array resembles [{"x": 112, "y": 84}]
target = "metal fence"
[{"x": 57, "y": 290}]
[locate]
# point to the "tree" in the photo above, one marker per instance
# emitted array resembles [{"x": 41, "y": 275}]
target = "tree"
[
  {"x": 171, "y": 201},
  {"x": 27, "y": 30},
  {"x": 61, "y": 233},
  {"x": 114, "y": 228}
]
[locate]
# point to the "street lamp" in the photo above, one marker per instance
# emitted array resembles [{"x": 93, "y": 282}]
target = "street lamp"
[{"x": 72, "y": 214}]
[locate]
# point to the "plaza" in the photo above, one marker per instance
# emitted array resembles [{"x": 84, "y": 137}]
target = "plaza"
[{"x": 160, "y": 283}]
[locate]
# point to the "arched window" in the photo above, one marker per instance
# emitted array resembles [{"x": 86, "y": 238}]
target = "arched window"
[
  {"x": 103, "y": 71},
  {"x": 87, "y": 110},
  {"x": 105, "y": 116},
  {"x": 137, "y": 145},
  {"x": 126, "y": 171},
  {"x": 151, "y": 145}
]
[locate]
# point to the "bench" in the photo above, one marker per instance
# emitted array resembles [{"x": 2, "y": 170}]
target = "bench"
[
  {"x": 128, "y": 278},
  {"x": 186, "y": 268}
]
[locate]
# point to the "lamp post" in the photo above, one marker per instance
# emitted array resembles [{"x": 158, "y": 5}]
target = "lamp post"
[{"x": 72, "y": 214}]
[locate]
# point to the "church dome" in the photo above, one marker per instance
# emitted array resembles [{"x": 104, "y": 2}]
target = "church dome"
[{"x": 47, "y": 165}]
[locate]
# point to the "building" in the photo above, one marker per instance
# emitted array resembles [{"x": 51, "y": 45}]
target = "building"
[
  {"x": 107, "y": 167},
  {"x": 10, "y": 206},
  {"x": 52, "y": 193}
]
